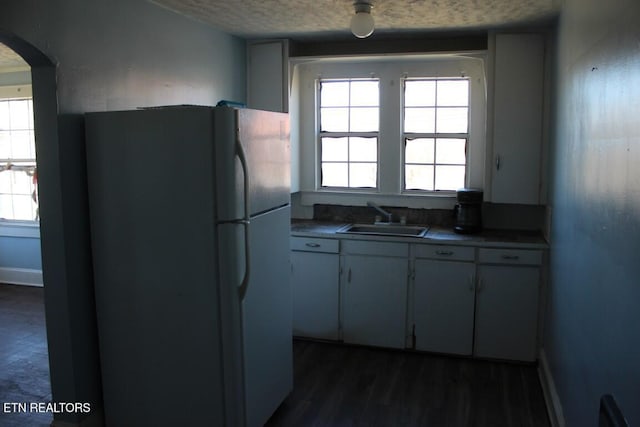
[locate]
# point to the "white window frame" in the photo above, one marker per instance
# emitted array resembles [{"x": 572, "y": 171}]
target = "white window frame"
[
  {"x": 430, "y": 135},
  {"x": 26, "y": 165},
  {"x": 391, "y": 70},
  {"x": 349, "y": 134}
]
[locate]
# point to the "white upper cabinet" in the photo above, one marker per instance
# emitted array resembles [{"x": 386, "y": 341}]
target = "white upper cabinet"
[
  {"x": 518, "y": 104},
  {"x": 268, "y": 75}
]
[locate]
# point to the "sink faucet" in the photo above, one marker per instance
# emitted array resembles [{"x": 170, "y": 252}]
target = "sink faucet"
[{"x": 379, "y": 209}]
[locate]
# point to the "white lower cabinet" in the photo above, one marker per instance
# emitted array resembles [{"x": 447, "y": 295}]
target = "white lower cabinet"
[
  {"x": 374, "y": 293},
  {"x": 506, "y": 319},
  {"x": 443, "y": 303},
  {"x": 315, "y": 274},
  {"x": 470, "y": 301}
]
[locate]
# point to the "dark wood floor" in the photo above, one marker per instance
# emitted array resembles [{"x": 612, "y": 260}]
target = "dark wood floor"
[
  {"x": 24, "y": 362},
  {"x": 334, "y": 385},
  {"x": 337, "y": 385}
]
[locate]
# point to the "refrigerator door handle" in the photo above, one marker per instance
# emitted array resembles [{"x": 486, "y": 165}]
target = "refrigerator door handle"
[{"x": 242, "y": 290}]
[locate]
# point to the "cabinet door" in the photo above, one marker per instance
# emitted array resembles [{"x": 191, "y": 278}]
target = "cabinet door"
[
  {"x": 375, "y": 300},
  {"x": 517, "y": 121},
  {"x": 507, "y": 312},
  {"x": 268, "y": 75},
  {"x": 315, "y": 284},
  {"x": 443, "y": 303}
]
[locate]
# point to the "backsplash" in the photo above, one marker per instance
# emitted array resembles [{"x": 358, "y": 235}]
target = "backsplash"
[
  {"x": 494, "y": 216},
  {"x": 365, "y": 214}
]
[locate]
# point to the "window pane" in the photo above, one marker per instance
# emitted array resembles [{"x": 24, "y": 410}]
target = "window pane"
[
  {"x": 6, "y": 181},
  {"x": 335, "y": 149},
  {"x": 334, "y": 119},
  {"x": 363, "y": 149},
  {"x": 21, "y": 182},
  {"x": 420, "y": 120},
  {"x": 418, "y": 177},
  {"x": 334, "y": 94},
  {"x": 449, "y": 150},
  {"x": 17, "y": 143},
  {"x": 5, "y": 144},
  {"x": 365, "y": 93},
  {"x": 449, "y": 177},
  {"x": 20, "y": 112},
  {"x": 6, "y": 206},
  {"x": 21, "y": 145},
  {"x": 364, "y": 119},
  {"x": 30, "y": 114},
  {"x": 23, "y": 207},
  {"x": 335, "y": 175},
  {"x": 419, "y": 93},
  {"x": 452, "y": 120},
  {"x": 363, "y": 175},
  {"x": 453, "y": 93},
  {"x": 5, "y": 122},
  {"x": 346, "y": 108},
  {"x": 419, "y": 150}
]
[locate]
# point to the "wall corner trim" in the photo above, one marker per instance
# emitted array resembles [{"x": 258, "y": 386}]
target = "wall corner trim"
[{"x": 551, "y": 398}]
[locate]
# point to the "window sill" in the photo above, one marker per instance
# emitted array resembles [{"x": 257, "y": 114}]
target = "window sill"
[
  {"x": 445, "y": 200},
  {"x": 16, "y": 228}
]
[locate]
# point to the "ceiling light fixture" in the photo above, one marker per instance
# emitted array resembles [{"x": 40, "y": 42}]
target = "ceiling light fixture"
[{"x": 362, "y": 24}]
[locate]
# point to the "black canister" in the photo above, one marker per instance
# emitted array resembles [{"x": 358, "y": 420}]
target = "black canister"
[{"x": 468, "y": 211}]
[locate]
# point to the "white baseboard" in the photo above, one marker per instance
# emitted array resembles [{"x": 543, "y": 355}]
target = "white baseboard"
[
  {"x": 551, "y": 398},
  {"x": 21, "y": 276}
]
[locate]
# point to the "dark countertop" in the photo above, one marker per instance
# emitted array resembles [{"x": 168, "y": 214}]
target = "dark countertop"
[
  {"x": 315, "y": 227},
  {"x": 441, "y": 235}
]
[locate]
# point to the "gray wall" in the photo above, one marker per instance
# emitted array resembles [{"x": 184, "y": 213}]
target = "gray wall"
[
  {"x": 592, "y": 339},
  {"x": 20, "y": 252},
  {"x": 114, "y": 54},
  {"x": 120, "y": 54}
]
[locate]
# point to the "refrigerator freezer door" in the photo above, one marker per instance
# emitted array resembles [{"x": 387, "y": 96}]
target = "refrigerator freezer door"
[{"x": 264, "y": 140}]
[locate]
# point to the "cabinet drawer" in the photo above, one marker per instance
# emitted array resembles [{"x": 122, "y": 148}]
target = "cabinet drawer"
[
  {"x": 310, "y": 244},
  {"x": 443, "y": 252},
  {"x": 510, "y": 256},
  {"x": 365, "y": 247}
]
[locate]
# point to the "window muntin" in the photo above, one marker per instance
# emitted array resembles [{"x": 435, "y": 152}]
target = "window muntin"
[
  {"x": 18, "y": 176},
  {"x": 435, "y": 133},
  {"x": 349, "y": 117}
]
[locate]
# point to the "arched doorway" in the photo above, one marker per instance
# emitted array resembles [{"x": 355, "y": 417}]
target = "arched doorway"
[
  {"x": 24, "y": 369},
  {"x": 66, "y": 254}
]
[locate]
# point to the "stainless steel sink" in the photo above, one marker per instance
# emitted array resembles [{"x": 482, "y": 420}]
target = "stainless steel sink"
[{"x": 385, "y": 230}]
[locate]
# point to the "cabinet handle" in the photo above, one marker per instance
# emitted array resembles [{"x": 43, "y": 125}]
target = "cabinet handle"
[
  {"x": 312, "y": 245},
  {"x": 349, "y": 276},
  {"x": 480, "y": 284},
  {"x": 471, "y": 280},
  {"x": 497, "y": 162},
  {"x": 444, "y": 253},
  {"x": 511, "y": 257}
]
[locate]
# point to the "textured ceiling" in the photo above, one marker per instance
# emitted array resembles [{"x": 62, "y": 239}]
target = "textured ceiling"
[
  {"x": 10, "y": 60},
  {"x": 307, "y": 18},
  {"x": 303, "y": 18}
]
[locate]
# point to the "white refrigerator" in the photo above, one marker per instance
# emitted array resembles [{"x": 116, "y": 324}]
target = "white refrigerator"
[{"x": 190, "y": 213}]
